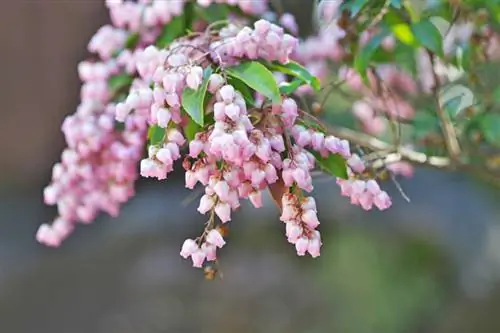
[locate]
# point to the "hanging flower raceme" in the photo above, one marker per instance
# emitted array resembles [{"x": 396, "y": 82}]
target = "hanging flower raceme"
[{"x": 219, "y": 101}]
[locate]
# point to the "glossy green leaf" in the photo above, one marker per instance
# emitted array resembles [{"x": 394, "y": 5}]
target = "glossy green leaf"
[
  {"x": 405, "y": 58},
  {"x": 132, "y": 41},
  {"x": 174, "y": 29},
  {"x": 490, "y": 126},
  {"x": 334, "y": 164},
  {"x": 364, "y": 57},
  {"x": 452, "y": 106},
  {"x": 120, "y": 82},
  {"x": 496, "y": 95},
  {"x": 428, "y": 36},
  {"x": 396, "y": 3},
  {"x": 296, "y": 70},
  {"x": 119, "y": 126},
  {"x": 354, "y": 6},
  {"x": 464, "y": 57},
  {"x": 400, "y": 28},
  {"x": 289, "y": 88},
  {"x": 258, "y": 77},
  {"x": 191, "y": 129},
  {"x": 424, "y": 124},
  {"x": 156, "y": 135},
  {"x": 193, "y": 101},
  {"x": 243, "y": 89},
  {"x": 213, "y": 13}
]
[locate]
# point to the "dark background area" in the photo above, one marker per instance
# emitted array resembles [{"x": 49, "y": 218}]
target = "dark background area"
[{"x": 431, "y": 265}]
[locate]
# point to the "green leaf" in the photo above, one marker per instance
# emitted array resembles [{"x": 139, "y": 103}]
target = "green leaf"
[
  {"x": 189, "y": 15},
  {"x": 428, "y": 36},
  {"x": 243, "y": 89},
  {"x": 258, "y": 77},
  {"x": 414, "y": 14},
  {"x": 213, "y": 13},
  {"x": 494, "y": 9},
  {"x": 289, "y": 88},
  {"x": 132, "y": 41},
  {"x": 490, "y": 126},
  {"x": 156, "y": 135},
  {"x": 424, "y": 124},
  {"x": 119, "y": 82},
  {"x": 452, "y": 106},
  {"x": 191, "y": 129},
  {"x": 464, "y": 57},
  {"x": 400, "y": 29},
  {"x": 334, "y": 164},
  {"x": 296, "y": 70},
  {"x": 405, "y": 57},
  {"x": 171, "y": 31},
  {"x": 354, "y": 6},
  {"x": 193, "y": 101},
  {"x": 310, "y": 124},
  {"x": 496, "y": 95},
  {"x": 363, "y": 58},
  {"x": 381, "y": 56},
  {"x": 396, "y": 4},
  {"x": 119, "y": 126}
]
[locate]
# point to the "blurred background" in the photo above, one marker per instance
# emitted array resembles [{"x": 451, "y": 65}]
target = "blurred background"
[{"x": 430, "y": 266}]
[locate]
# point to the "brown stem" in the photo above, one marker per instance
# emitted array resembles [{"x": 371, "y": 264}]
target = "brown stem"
[{"x": 447, "y": 127}]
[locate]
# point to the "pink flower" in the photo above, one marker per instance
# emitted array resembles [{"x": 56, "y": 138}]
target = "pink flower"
[
  {"x": 277, "y": 143},
  {"x": 314, "y": 245},
  {"x": 227, "y": 93},
  {"x": 288, "y": 21},
  {"x": 188, "y": 248},
  {"x": 309, "y": 204},
  {"x": 195, "y": 77},
  {"x": 256, "y": 198},
  {"x": 382, "y": 201},
  {"x": 232, "y": 111},
  {"x": 215, "y": 238},
  {"x": 216, "y": 81},
  {"x": 195, "y": 148},
  {"x": 356, "y": 163},
  {"x": 210, "y": 251},
  {"x": 293, "y": 232},
  {"x": 163, "y": 117},
  {"x": 191, "y": 179},
  {"x": 290, "y": 111},
  {"x": 309, "y": 217},
  {"x": 174, "y": 135},
  {"x": 222, "y": 189},
  {"x": 301, "y": 246},
  {"x": 198, "y": 258},
  {"x": 207, "y": 202},
  {"x": 223, "y": 211}
]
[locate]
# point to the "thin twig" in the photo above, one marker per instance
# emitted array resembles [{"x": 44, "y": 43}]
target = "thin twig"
[
  {"x": 403, "y": 153},
  {"x": 449, "y": 133}
]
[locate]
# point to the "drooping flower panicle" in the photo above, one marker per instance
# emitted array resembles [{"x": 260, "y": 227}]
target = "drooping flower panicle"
[{"x": 144, "y": 97}]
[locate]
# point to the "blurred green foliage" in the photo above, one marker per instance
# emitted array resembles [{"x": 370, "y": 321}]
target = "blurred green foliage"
[{"x": 383, "y": 283}]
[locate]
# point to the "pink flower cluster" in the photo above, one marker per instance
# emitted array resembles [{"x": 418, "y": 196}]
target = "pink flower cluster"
[
  {"x": 143, "y": 15},
  {"x": 98, "y": 168},
  {"x": 364, "y": 193},
  {"x": 206, "y": 251},
  {"x": 253, "y": 7},
  {"x": 239, "y": 154},
  {"x": 266, "y": 41},
  {"x": 300, "y": 216},
  {"x": 394, "y": 83},
  {"x": 107, "y": 41},
  {"x": 233, "y": 158}
]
